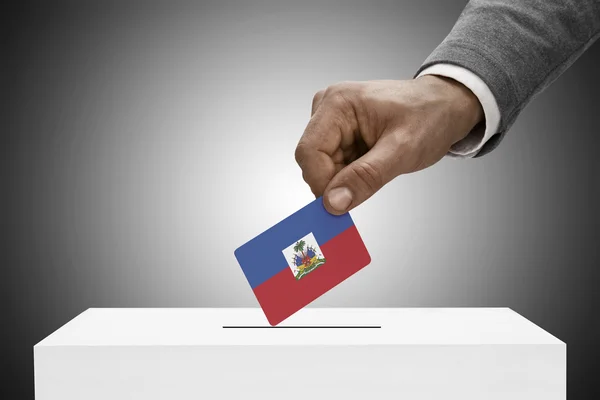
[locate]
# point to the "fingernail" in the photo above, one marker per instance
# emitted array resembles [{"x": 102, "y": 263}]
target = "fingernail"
[{"x": 340, "y": 198}]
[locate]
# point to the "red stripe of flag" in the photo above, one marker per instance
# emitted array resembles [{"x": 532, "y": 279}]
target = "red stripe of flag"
[{"x": 283, "y": 295}]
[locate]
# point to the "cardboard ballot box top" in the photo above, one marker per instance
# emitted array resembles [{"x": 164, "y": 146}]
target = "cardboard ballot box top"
[{"x": 310, "y": 326}]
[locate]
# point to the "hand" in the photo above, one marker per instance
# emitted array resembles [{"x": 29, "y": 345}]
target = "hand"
[{"x": 364, "y": 134}]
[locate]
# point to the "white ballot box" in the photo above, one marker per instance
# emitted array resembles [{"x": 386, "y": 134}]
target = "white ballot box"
[{"x": 345, "y": 353}]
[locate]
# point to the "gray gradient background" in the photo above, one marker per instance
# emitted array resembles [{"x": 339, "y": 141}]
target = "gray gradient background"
[{"x": 143, "y": 143}]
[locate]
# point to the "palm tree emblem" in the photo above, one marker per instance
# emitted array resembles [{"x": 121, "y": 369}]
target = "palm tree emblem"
[{"x": 306, "y": 259}]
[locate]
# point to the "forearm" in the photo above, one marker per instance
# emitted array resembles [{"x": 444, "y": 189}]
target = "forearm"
[{"x": 518, "y": 47}]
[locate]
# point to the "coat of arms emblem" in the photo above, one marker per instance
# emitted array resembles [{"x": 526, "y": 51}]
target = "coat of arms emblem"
[{"x": 304, "y": 256}]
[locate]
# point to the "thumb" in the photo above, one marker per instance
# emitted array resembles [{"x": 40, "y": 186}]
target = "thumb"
[{"x": 359, "y": 180}]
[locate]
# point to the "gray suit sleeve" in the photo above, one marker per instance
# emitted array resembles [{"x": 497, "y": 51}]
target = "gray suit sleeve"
[{"x": 518, "y": 48}]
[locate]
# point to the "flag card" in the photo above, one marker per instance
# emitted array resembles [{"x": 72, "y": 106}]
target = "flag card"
[{"x": 301, "y": 258}]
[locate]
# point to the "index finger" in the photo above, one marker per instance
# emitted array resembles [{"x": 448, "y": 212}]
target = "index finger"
[{"x": 318, "y": 152}]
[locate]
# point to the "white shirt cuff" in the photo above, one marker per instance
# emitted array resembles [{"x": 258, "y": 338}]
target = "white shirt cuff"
[{"x": 470, "y": 145}]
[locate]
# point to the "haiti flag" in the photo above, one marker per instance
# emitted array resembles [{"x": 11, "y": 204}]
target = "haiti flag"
[{"x": 301, "y": 258}]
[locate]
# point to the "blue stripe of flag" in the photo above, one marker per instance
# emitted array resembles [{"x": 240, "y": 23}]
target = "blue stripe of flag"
[{"x": 262, "y": 257}]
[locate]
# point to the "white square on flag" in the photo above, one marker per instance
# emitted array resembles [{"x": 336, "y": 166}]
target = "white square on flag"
[{"x": 304, "y": 256}]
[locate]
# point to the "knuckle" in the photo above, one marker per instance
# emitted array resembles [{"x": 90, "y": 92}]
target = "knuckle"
[
  {"x": 342, "y": 96},
  {"x": 369, "y": 175},
  {"x": 305, "y": 177},
  {"x": 338, "y": 88},
  {"x": 300, "y": 153},
  {"x": 318, "y": 96},
  {"x": 333, "y": 89},
  {"x": 339, "y": 100},
  {"x": 310, "y": 181}
]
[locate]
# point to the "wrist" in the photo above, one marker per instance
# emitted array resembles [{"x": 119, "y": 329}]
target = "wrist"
[{"x": 464, "y": 106}]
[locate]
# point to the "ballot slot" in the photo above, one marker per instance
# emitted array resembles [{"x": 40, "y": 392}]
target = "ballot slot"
[{"x": 302, "y": 327}]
